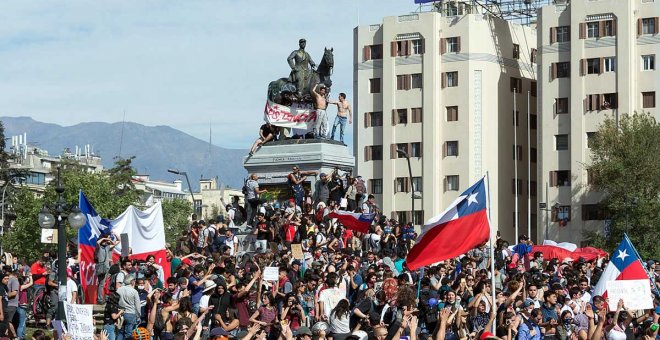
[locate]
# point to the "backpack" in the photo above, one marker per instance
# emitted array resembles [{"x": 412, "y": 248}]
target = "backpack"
[
  {"x": 210, "y": 237},
  {"x": 159, "y": 323},
  {"x": 245, "y": 188}
]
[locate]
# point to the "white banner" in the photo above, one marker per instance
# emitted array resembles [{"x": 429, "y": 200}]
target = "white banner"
[
  {"x": 80, "y": 320},
  {"x": 294, "y": 117},
  {"x": 145, "y": 229},
  {"x": 636, "y": 294}
]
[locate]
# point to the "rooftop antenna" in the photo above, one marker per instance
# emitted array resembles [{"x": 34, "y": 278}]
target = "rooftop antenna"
[{"x": 121, "y": 138}]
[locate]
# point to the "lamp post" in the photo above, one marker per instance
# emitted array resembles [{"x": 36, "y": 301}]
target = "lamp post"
[
  {"x": 185, "y": 174},
  {"x": 412, "y": 194},
  {"x": 47, "y": 221}
]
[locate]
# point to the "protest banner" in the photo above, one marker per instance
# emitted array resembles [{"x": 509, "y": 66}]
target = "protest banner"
[
  {"x": 271, "y": 273},
  {"x": 297, "y": 252},
  {"x": 303, "y": 118},
  {"x": 80, "y": 321},
  {"x": 636, "y": 294}
]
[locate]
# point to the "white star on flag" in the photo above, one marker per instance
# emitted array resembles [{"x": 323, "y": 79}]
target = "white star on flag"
[
  {"x": 622, "y": 255},
  {"x": 472, "y": 198}
]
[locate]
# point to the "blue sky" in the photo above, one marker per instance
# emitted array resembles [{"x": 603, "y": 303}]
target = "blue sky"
[{"x": 186, "y": 64}]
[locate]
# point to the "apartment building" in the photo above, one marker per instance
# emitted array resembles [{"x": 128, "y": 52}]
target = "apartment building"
[
  {"x": 440, "y": 86},
  {"x": 597, "y": 59}
]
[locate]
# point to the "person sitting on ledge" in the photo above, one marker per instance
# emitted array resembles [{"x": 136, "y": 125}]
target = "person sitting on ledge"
[{"x": 267, "y": 133}]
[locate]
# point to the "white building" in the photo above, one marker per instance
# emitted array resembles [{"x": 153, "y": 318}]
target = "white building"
[
  {"x": 597, "y": 59},
  {"x": 440, "y": 87}
]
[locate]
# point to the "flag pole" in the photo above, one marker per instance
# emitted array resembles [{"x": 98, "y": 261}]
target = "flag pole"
[
  {"x": 529, "y": 169},
  {"x": 515, "y": 162},
  {"x": 492, "y": 250}
]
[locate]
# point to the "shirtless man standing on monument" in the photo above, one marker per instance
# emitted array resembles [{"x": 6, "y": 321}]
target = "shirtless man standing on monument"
[
  {"x": 320, "y": 104},
  {"x": 343, "y": 106}
]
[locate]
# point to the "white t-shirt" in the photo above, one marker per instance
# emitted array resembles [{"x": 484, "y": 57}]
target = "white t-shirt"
[
  {"x": 70, "y": 288},
  {"x": 229, "y": 242},
  {"x": 330, "y": 297},
  {"x": 204, "y": 301}
]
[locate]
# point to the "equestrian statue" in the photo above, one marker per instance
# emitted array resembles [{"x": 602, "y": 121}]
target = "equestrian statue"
[{"x": 304, "y": 76}]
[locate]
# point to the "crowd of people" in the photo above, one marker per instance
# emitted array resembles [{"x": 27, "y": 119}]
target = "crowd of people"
[{"x": 342, "y": 285}]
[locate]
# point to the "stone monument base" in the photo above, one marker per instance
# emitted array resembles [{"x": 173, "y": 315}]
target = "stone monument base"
[{"x": 273, "y": 162}]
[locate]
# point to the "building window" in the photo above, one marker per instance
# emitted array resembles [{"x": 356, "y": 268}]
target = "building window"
[
  {"x": 452, "y": 44},
  {"x": 372, "y": 119},
  {"x": 591, "y": 139},
  {"x": 373, "y": 52},
  {"x": 451, "y": 148},
  {"x": 648, "y": 62},
  {"x": 561, "y": 70},
  {"x": 532, "y": 89},
  {"x": 416, "y": 80},
  {"x": 593, "y": 29},
  {"x": 593, "y": 66},
  {"x": 399, "y": 146},
  {"x": 416, "y": 113},
  {"x": 401, "y": 116},
  {"x": 561, "y": 34},
  {"x": 532, "y": 155},
  {"x": 417, "y": 46},
  {"x": 402, "y": 216},
  {"x": 373, "y": 153},
  {"x": 35, "y": 178},
  {"x": 516, "y": 51},
  {"x": 517, "y": 152},
  {"x": 594, "y": 212},
  {"x": 609, "y": 101},
  {"x": 609, "y": 64},
  {"x": 518, "y": 186},
  {"x": 516, "y": 84},
  {"x": 451, "y": 183},
  {"x": 561, "y": 105},
  {"x": 561, "y": 213},
  {"x": 374, "y": 85},
  {"x": 532, "y": 122},
  {"x": 415, "y": 149},
  {"x": 452, "y": 113},
  {"x": 401, "y": 184},
  {"x": 648, "y": 100},
  {"x": 452, "y": 9},
  {"x": 533, "y": 55},
  {"x": 649, "y": 26},
  {"x": 450, "y": 79},
  {"x": 417, "y": 184},
  {"x": 418, "y": 217},
  {"x": 608, "y": 28},
  {"x": 376, "y": 186},
  {"x": 560, "y": 178},
  {"x": 561, "y": 142},
  {"x": 532, "y": 189},
  {"x": 401, "y": 82}
]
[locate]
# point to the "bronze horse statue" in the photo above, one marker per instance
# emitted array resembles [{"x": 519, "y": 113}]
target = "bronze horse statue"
[{"x": 284, "y": 92}]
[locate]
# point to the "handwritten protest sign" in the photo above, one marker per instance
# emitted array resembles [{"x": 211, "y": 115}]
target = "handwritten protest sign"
[
  {"x": 297, "y": 252},
  {"x": 271, "y": 273},
  {"x": 636, "y": 294},
  {"x": 80, "y": 321}
]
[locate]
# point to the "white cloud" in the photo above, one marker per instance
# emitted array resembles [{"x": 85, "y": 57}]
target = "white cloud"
[{"x": 182, "y": 64}]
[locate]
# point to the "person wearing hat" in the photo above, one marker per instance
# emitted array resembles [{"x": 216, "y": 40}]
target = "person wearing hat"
[
  {"x": 304, "y": 333},
  {"x": 302, "y": 65},
  {"x": 529, "y": 327},
  {"x": 321, "y": 190},
  {"x": 129, "y": 302}
]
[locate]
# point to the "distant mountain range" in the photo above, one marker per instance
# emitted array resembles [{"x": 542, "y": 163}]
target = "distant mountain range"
[{"x": 156, "y": 148}]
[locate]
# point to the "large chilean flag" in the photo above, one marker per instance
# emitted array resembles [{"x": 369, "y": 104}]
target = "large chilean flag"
[
  {"x": 354, "y": 221},
  {"x": 624, "y": 264},
  {"x": 463, "y": 226},
  {"x": 87, "y": 237}
]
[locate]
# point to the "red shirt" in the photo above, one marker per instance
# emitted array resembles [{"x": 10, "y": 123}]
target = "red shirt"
[{"x": 38, "y": 273}]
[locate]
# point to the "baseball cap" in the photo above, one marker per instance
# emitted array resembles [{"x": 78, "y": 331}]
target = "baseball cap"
[
  {"x": 323, "y": 174},
  {"x": 487, "y": 335},
  {"x": 304, "y": 331},
  {"x": 187, "y": 261}
]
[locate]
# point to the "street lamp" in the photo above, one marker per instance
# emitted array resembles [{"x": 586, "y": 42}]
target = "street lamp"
[
  {"x": 47, "y": 221},
  {"x": 185, "y": 174},
  {"x": 412, "y": 194}
]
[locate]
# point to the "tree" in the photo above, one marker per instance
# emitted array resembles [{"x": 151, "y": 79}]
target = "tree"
[
  {"x": 110, "y": 192},
  {"x": 176, "y": 214},
  {"x": 626, "y": 167}
]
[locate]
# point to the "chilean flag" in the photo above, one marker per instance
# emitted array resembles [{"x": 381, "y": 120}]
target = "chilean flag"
[
  {"x": 624, "y": 264},
  {"x": 87, "y": 237},
  {"x": 463, "y": 226},
  {"x": 355, "y": 221}
]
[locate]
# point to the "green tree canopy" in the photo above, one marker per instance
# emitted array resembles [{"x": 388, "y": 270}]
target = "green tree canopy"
[
  {"x": 626, "y": 167},
  {"x": 176, "y": 214}
]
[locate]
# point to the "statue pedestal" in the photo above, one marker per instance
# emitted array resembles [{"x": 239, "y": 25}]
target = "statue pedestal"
[{"x": 273, "y": 162}]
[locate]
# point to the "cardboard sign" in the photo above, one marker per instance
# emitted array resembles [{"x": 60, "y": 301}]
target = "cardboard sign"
[
  {"x": 271, "y": 273},
  {"x": 80, "y": 320},
  {"x": 297, "y": 252},
  {"x": 49, "y": 236},
  {"x": 636, "y": 294}
]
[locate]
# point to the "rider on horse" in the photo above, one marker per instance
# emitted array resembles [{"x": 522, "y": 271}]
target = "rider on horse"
[{"x": 302, "y": 67}]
